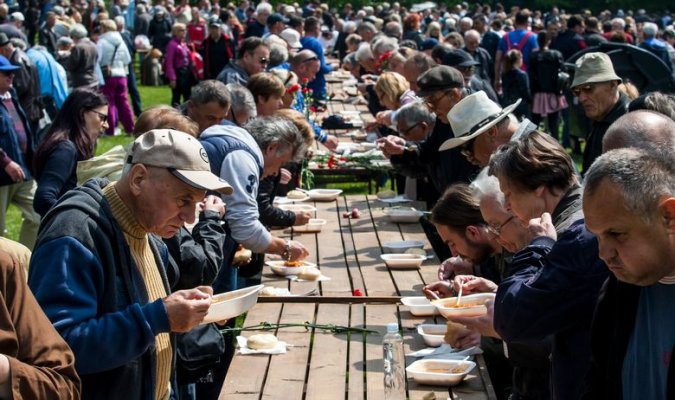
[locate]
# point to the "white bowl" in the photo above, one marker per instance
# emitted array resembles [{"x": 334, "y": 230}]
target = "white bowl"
[
  {"x": 401, "y": 246},
  {"x": 432, "y": 333},
  {"x": 297, "y": 207},
  {"x": 324, "y": 194},
  {"x": 403, "y": 260},
  {"x": 428, "y": 372},
  {"x": 419, "y": 306},
  {"x": 404, "y": 215},
  {"x": 313, "y": 226},
  {"x": 472, "y": 305},
  {"x": 280, "y": 269},
  {"x": 231, "y": 304}
]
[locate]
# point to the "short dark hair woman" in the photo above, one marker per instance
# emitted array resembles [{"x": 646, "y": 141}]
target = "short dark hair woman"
[{"x": 71, "y": 138}]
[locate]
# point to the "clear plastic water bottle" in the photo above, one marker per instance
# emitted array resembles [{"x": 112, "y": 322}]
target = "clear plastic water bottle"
[{"x": 394, "y": 364}]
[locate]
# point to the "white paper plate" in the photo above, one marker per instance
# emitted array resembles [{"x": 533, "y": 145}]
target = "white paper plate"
[
  {"x": 419, "y": 371},
  {"x": 419, "y": 306},
  {"x": 403, "y": 260},
  {"x": 278, "y": 267},
  {"x": 432, "y": 333},
  {"x": 324, "y": 194},
  {"x": 313, "y": 226},
  {"x": 403, "y": 215},
  {"x": 231, "y": 304},
  {"x": 298, "y": 207},
  {"x": 394, "y": 200}
]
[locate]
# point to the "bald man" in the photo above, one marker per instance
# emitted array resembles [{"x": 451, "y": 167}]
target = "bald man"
[{"x": 648, "y": 130}]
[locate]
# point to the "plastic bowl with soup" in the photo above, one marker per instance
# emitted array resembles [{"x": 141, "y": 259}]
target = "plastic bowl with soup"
[{"x": 472, "y": 305}]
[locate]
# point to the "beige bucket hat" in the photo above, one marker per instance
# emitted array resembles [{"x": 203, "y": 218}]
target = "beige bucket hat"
[{"x": 594, "y": 67}]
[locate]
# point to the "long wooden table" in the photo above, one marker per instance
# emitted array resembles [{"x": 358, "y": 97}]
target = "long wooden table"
[{"x": 323, "y": 365}]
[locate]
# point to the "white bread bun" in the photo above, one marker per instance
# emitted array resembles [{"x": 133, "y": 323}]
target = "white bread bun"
[
  {"x": 262, "y": 341},
  {"x": 309, "y": 274}
]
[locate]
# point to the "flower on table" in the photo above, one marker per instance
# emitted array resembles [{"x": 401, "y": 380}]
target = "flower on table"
[{"x": 358, "y": 293}]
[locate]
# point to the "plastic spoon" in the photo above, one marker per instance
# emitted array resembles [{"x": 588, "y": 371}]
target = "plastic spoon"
[{"x": 459, "y": 296}]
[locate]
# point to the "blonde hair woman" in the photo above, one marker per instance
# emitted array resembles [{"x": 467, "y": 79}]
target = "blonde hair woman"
[{"x": 393, "y": 90}]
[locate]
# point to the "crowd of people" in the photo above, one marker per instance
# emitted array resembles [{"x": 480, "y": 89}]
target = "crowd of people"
[{"x": 105, "y": 293}]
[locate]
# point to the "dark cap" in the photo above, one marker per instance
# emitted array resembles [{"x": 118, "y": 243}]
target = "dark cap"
[
  {"x": 215, "y": 21},
  {"x": 429, "y": 44},
  {"x": 459, "y": 58},
  {"x": 440, "y": 77},
  {"x": 276, "y": 17},
  {"x": 3, "y": 39}
]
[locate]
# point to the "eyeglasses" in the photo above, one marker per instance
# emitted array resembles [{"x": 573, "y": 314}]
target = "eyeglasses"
[
  {"x": 263, "y": 61},
  {"x": 585, "y": 89},
  {"x": 431, "y": 100},
  {"x": 7, "y": 73},
  {"x": 409, "y": 129},
  {"x": 101, "y": 116},
  {"x": 496, "y": 231}
]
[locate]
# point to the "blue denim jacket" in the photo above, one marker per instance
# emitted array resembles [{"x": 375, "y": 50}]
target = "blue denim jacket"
[{"x": 9, "y": 143}]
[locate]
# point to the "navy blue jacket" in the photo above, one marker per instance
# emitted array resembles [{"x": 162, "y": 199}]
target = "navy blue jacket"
[
  {"x": 552, "y": 292},
  {"x": 9, "y": 143},
  {"x": 85, "y": 280}
]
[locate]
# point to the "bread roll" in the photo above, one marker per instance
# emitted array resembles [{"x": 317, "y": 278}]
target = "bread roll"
[
  {"x": 242, "y": 256},
  {"x": 262, "y": 341},
  {"x": 451, "y": 335},
  {"x": 295, "y": 195},
  {"x": 309, "y": 274}
]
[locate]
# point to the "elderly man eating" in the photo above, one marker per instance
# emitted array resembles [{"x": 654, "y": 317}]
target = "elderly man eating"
[{"x": 98, "y": 267}]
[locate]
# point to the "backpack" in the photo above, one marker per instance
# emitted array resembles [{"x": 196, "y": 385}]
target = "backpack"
[{"x": 519, "y": 46}]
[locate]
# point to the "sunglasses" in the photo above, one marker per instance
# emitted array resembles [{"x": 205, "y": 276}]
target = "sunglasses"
[
  {"x": 585, "y": 89},
  {"x": 101, "y": 116},
  {"x": 315, "y": 58},
  {"x": 497, "y": 230}
]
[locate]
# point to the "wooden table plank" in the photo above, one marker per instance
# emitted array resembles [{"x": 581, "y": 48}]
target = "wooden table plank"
[
  {"x": 408, "y": 282},
  {"x": 332, "y": 260},
  {"x": 357, "y": 373},
  {"x": 350, "y": 251},
  {"x": 239, "y": 384},
  {"x": 328, "y": 364},
  {"x": 376, "y": 277},
  {"x": 287, "y": 372}
]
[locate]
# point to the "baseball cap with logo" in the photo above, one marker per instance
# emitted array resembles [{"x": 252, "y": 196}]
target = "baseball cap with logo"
[{"x": 181, "y": 154}]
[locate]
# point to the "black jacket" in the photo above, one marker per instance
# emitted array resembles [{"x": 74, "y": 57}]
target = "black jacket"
[
  {"x": 196, "y": 258},
  {"x": 543, "y": 70},
  {"x": 516, "y": 85},
  {"x": 269, "y": 214},
  {"x": 443, "y": 168},
  {"x": 568, "y": 43},
  {"x": 594, "y": 139},
  {"x": 613, "y": 325},
  {"x": 27, "y": 85}
]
